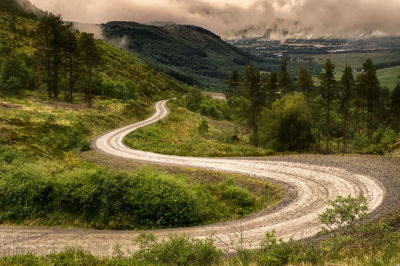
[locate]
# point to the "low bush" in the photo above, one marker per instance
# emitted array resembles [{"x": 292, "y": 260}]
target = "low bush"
[
  {"x": 99, "y": 198},
  {"x": 177, "y": 250}
]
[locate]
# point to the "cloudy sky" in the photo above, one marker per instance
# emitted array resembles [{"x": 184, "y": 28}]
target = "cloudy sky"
[{"x": 244, "y": 18}]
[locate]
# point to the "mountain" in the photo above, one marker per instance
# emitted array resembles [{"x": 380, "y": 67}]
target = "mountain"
[
  {"x": 20, "y": 7},
  {"x": 188, "y": 53}
]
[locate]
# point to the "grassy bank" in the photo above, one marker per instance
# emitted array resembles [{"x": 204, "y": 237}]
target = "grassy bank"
[{"x": 179, "y": 134}]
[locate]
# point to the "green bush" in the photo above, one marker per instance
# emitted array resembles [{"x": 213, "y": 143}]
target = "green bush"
[
  {"x": 99, "y": 198},
  {"x": 177, "y": 250},
  {"x": 239, "y": 196}
]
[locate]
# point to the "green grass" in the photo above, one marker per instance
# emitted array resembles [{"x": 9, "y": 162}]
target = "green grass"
[
  {"x": 179, "y": 135},
  {"x": 389, "y": 77}
]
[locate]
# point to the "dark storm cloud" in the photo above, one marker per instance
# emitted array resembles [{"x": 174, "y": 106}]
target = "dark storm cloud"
[{"x": 301, "y": 18}]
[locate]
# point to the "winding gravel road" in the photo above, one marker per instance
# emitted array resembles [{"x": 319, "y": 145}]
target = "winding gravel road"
[{"x": 315, "y": 184}]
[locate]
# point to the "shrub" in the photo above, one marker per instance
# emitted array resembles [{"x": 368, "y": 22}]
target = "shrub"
[
  {"x": 176, "y": 250},
  {"x": 344, "y": 212},
  {"x": 239, "y": 196},
  {"x": 203, "y": 127}
]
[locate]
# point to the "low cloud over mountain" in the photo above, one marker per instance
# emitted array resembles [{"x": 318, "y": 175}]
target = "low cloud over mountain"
[{"x": 235, "y": 19}]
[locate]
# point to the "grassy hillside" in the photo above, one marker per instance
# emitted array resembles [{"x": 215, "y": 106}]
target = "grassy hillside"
[
  {"x": 179, "y": 134},
  {"x": 188, "y": 53},
  {"x": 17, "y": 33}
]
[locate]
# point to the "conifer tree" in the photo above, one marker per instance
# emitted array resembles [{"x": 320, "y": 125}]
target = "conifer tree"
[
  {"x": 48, "y": 44},
  {"x": 328, "y": 92},
  {"x": 370, "y": 90},
  {"x": 346, "y": 93},
  {"x": 90, "y": 60},
  {"x": 305, "y": 82},
  {"x": 285, "y": 82}
]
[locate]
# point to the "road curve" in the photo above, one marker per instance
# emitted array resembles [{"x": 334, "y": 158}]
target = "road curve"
[{"x": 315, "y": 186}]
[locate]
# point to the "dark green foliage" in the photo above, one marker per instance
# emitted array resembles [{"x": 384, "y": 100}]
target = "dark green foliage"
[
  {"x": 305, "y": 82},
  {"x": 190, "y": 54},
  {"x": 328, "y": 92},
  {"x": 15, "y": 76},
  {"x": 285, "y": 82},
  {"x": 369, "y": 92},
  {"x": 101, "y": 198},
  {"x": 90, "y": 58},
  {"x": 254, "y": 99},
  {"x": 177, "y": 250},
  {"x": 287, "y": 125},
  {"x": 395, "y": 106},
  {"x": 346, "y": 90},
  {"x": 193, "y": 100},
  {"x": 48, "y": 55}
]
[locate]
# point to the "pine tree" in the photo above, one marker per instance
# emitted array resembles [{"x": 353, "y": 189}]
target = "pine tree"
[
  {"x": 305, "y": 82},
  {"x": 48, "y": 44},
  {"x": 253, "y": 92},
  {"x": 231, "y": 93},
  {"x": 272, "y": 88},
  {"x": 370, "y": 90},
  {"x": 395, "y": 106},
  {"x": 90, "y": 59},
  {"x": 328, "y": 92},
  {"x": 70, "y": 57},
  {"x": 346, "y": 93},
  {"x": 285, "y": 82}
]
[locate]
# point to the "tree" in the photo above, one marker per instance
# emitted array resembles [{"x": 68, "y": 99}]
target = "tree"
[
  {"x": 15, "y": 75},
  {"x": 395, "y": 106},
  {"x": 287, "y": 125},
  {"x": 194, "y": 100},
  {"x": 231, "y": 93},
  {"x": 285, "y": 83},
  {"x": 272, "y": 88},
  {"x": 255, "y": 98},
  {"x": 90, "y": 60},
  {"x": 48, "y": 43},
  {"x": 328, "y": 92},
  {"x": 70, "y": 57},
  {"x": 305, "y": 81},
  {"x": 370, "y": 90},
  {"x": 346, "y": 92}
]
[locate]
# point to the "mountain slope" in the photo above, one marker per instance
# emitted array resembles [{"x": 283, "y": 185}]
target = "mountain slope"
[
  {"x": 188, "y": 53},
  {"x": 20, "y": 7},
  {"x": 17, "y": 33}
]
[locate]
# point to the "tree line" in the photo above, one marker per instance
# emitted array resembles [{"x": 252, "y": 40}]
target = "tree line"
[
  {"x": 65, "y": 61},
  {"x": 349, "y": 114},
  {"x": 63, "y": 57}
]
